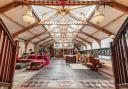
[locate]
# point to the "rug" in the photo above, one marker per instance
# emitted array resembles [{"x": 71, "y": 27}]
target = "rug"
[{"x": 78, "y": 66}]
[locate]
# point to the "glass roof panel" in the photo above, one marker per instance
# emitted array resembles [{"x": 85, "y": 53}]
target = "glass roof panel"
[{"x": 63, "y": 23}]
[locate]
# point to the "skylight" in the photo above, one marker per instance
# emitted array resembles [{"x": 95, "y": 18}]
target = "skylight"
[{"x": 63, "y": 23}]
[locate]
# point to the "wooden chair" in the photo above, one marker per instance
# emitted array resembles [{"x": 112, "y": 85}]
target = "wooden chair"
[{"x": 93, "y": 63}]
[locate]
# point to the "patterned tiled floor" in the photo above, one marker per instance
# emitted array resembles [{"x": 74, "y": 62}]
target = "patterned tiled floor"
[
  {"x": 69, "y": 84},
  {"x": 59, "y": 75}
]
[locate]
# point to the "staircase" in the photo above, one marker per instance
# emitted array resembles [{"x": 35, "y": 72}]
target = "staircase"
[
  {"x": 106, "y": 71},
  {"x": 7, "y": 57},
  {"x": 119, "y": 49}
]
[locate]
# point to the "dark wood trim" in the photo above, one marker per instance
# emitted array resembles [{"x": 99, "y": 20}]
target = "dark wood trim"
[
  {"x": 25, "y": 29},
  {"x": 9, "y": 7},
  {"x": 61, "y": 2},
  {"x": 84, "y": 40},
  {"x": 43, "y": 39},
  {"x": 100, "y": 28},
  {"x": 37, "y": 36},
  {"x": 82, "y": 32},
  {"x": 118, "y": 6}
]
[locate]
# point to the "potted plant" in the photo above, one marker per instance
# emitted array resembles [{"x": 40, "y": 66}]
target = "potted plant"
[{"x": 34, "y": 65}]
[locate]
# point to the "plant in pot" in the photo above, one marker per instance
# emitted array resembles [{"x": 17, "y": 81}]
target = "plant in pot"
[{"x": 34, "y": 65}]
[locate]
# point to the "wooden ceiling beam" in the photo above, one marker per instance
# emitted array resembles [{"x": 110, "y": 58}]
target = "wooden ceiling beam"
[
  {"x": 47, "y": 42},
  {"x": 33, "y": 25},
  {"x": 118, "y": 6},
  {"x": 80, "y": 42},
  {"x": 16, "y": 34},
  {"x": 82, "y": 32},
  {"x": 43, "y": 39},
  {"x": 114, "y": 20},
  {"x": 9, "y": 6},
  {"x": 72, "y": 3},
  {"x": 37, "y": 36},
  {"x": 91, "y": 24},
  {"x": 84, "y": 40},
  {"x": 77, "y": 43},
  {"x": 62, "y": 2},
  {"x": 100, "y": 28},
  {"x": 13, "y": 20}
]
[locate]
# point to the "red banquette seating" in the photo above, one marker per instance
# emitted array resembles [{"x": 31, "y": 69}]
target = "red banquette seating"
[{"x": 44, "y": 58}]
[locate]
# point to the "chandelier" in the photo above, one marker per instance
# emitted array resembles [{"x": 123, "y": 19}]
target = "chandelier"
[
  {"x": 98, "y": 17},
  {"x": 28, "y": 17}
]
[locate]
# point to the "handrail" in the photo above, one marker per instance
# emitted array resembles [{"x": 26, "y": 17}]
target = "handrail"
[
  {"x": 121, "y": 30},
  {"x": 7, "y": 32},
  {"x": 119, "y": 49}
]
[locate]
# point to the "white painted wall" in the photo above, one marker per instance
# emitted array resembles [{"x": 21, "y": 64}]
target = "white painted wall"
[
  {"x": 89, "y": 47},
  {"x": 22, "y": 47},
  {"x": 95, "y": 45},
  {"x": 30, "y": 46},
  {"x": 105, "y": 43}
]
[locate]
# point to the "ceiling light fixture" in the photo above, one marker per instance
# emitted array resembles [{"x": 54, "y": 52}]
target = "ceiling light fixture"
[
  {"x": 112, "y": 36},
  {"x": 28, "y": 17},
  {"x": 98, "y": 17}
]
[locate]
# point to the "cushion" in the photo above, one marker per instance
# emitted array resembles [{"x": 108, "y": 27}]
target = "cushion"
[
  {"x": 21, "y": 65},
  {"x": 39, "y": 57},
  {"x": 32, "y": 57}
]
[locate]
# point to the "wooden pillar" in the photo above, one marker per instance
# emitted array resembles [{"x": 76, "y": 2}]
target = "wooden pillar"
[
  {"x": 26, "y": 45},
  {"x": 18, "y": 47},
  {"x": 99, "y": 42},
  {"x": 35, "y": 47},
  {"x": 91, "y": 46}
]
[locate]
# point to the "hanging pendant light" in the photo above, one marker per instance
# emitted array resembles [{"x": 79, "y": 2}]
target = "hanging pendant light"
[
  {"x": 28, "y": 17},
  {"x": 98, "y": 17},
  {"x": 112, "y": 36}
]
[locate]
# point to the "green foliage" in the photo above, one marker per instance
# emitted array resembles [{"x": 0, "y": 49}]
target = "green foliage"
[
  {"x": 34, "y": 64},
  {"x": 103, "y": 51},
  {"x": 25, "y": 54}
]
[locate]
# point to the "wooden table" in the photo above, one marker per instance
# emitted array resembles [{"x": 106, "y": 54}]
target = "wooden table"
[{"x": 71, "y": 59}]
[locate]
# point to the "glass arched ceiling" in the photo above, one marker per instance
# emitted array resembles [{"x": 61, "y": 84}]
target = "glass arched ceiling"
[{"x": 63, "y": 23}]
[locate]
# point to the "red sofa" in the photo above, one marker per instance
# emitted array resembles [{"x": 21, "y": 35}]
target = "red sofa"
[{"x": 44, "y": 58}]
